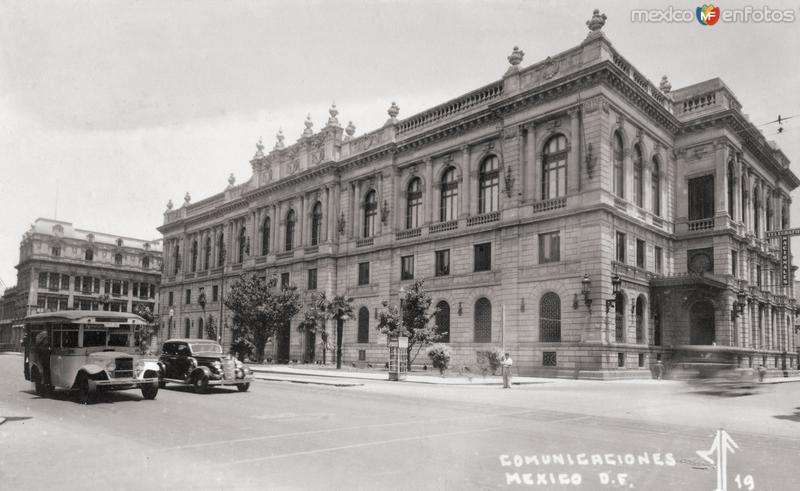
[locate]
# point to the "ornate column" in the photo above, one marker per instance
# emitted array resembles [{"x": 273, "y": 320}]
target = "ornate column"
[
  {"x": 737, "y": 187},
  {"x": 573, "y": 162},
  {"x": 301, "y": 226},
  {"x": 466, "y": 180},
  {"x": 720, "y": 183},
  {"x": 529, "y": 162},
  {"x": 427, "y": 194},
  {"x": 380, "y": 199},
  {"x": 326, "y": 213},
  {"x": 275, "y": 226}
]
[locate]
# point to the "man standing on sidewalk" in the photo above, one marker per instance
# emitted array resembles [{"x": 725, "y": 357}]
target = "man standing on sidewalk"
[{"x": 506, "y": 363}]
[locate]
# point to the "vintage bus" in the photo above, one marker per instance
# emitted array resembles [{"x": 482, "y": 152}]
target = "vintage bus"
[{"x": 87, "y": 351}]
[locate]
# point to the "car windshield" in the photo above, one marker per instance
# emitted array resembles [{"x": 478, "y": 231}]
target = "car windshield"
[
  {"x": 206, "y": 348},
  {"x": 118, "y": 338}
]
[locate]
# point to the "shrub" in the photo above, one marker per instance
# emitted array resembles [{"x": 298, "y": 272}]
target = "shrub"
[
  {"x": 489, "y": 359},
  {"x": 440, "y": 355}
]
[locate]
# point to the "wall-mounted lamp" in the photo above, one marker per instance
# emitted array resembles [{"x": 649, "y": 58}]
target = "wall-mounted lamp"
[
  {"x": 460, "y": 310},
  {"x": 616, "y": 281},
  {"x": 739, "y": 303},
  {"x": 586, "y": 290}
]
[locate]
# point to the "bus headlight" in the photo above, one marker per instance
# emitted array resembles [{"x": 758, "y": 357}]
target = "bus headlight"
[
  {"x": 139, "y": 367},
  {"x": 111, "y": 366}
]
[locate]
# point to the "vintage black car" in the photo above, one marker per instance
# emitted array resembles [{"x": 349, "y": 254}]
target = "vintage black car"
[{"x": 201, "y": 363}]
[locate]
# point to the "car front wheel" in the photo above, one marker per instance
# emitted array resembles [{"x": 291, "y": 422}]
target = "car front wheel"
[
  {"x": 201, "y": 384},
  {"x": 243, "y": 387}
]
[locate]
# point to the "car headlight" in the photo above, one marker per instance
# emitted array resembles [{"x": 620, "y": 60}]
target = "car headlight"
[
  {"x": 140, "y": 365},
  {"x": 217, "y": 366},
  {"x": 239, "y": 364},
  {"x": 111, "y": 366}
]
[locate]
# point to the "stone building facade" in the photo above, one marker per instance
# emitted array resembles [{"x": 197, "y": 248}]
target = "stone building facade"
[
  {"x": 65, "y": 268},
  {"x": 524, "y": 205}
]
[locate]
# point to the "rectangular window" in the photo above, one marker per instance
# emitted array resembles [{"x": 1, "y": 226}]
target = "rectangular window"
[
  {"x": 483, "y": 256},
  {"x": 549, "y": 359},
  {"x": 701, "y": 197},
  {"x": 549, "y": 247},
  {"x": 621, "y": 245},
  {"x": 284, "y": 280},
  {"x": 53, "y": 282},
  {"x": 640, "y": 248},
  {"x": 135, "y": 289},
  {"x": 363, "y": 274},
  {"x": 55, "y": 251},
  {"x": 659, "y": 259},
  {"x": 125, "y": 287},
  {"x": 188, "y": 296},
  {"x": 362, "y": 355},
  {"x": 407, "y": 268},
  {"x": 215, "y": 293},
  {"x": 42, "y": 280},
  {"x": 758, "y": 275},
  {"x": 312, "y": 279},
  {"x": 734, "y": 263},
  {"x": 641, "y": 360},
  {"x": 65, "y": 282},
  {"x": 170, "y": 299},
  {"x": 442, "y": 263},
  {"x": 621, "y": 360}
]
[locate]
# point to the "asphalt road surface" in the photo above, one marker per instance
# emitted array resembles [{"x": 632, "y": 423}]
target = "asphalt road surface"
[{"x": 382, "y": 435}]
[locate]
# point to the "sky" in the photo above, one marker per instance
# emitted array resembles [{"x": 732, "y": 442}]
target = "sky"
[{"x": 108, "y": 109}]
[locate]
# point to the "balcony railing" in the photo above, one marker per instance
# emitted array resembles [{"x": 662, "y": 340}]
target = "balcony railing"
[
  {"x": 284, "y": 255},
  {"x": 365, "y": 242},
  {"x": 408, "y": 234},
  {"x": 550, "y": 204},
  {"x": 702, "y": 224},
  {"x": 443, "y": 227},
  {"x": 484, "y": 218},
  {"x": 311, "y": 249}
]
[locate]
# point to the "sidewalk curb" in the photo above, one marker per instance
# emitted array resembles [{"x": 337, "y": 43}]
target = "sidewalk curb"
[
  {"x": 383, "y": 378},
  {"x": 310, "y": 382}
]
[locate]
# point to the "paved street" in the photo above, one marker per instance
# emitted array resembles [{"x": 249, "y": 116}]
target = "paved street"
[{"x": 382, "y": 435}]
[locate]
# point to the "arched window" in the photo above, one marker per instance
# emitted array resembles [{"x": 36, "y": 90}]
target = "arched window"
[
  {"x": 289, "y": 242},
  {"x": 619, "y": 317},
  {"x": 483, "y": 321},
  {"x": 731, "y": 190},
  {"x": 207, "y": 254},
  {"x": 639, "y": 320},
  {"x": 638, "y": 188},
  {"x": 550, "y": 318},
  {"x": 770, "y": 213},
  {"x": 489, "y": 185},
  {"x": 316, "y": 224},
  {"x": 619, "y": 171},
  {"x": 221, "y": 250},
  {"x": 655, "y": 187},
  {"x": 200, "y": 328},
  {"x": 443, "y": 321},
  {"x": 194, "y": 256},
  {"x": 145, "y": 262},
  {"x": 363, "y": 325},
  {"x": 554, "y": 168},
  {"x": 370, "y": 213},
  {"x": 413, "y": 203},
  {"x": 756, "y": 212},
  {"x": 118, "y": 259},
  {"x": 242, "y": 243},
  {"x": 448, "y": 208},
  {"x": 187, "y": 328},
  {"x": 265, "y": 230},
  {"x": 89, "y": 255},
  {"x": 744, "y": 200}
]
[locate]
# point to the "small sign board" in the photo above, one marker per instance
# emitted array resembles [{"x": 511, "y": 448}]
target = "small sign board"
[
  {"x": 402, "y": 342},
  {"x": 783, "y": 233},
  {"x": 786, "y": 263}
]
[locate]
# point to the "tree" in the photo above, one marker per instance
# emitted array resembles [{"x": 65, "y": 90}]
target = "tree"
[
  {"x": 260, "y": 308},
  {"x": 340, "y": 309},
  {"x": 411, "y": 320},
  {"x": 314, "y": 320}
]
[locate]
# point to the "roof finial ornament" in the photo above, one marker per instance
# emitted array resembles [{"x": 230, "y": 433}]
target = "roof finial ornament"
[
  {"x": 350, "y": 130},
  {"x": 231, "y": 180},
  {"x": 597, "y": 21},
  {"x": 187, "y": 198},
  {"x": 332, "y": 121},
  {"x": 259, "y": 149},
  {"x": 665, "y": 86},
  {"x": 515, "y": 58},
  {"x": 279, "y": 144},
  {"x": 393, "y": 110},
  {"x": 308, "y": 131},
  {"x": 169, "y": 205}
]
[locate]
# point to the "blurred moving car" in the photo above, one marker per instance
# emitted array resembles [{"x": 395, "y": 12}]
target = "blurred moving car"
[
  {"x": 713, "y": 369},
  {"x": 200, "y": 363}
]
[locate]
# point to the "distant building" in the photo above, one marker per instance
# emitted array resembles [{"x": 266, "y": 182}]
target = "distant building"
[
  {"x": 65, "y": 268},
  {"x": 572, "y": 211}
]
